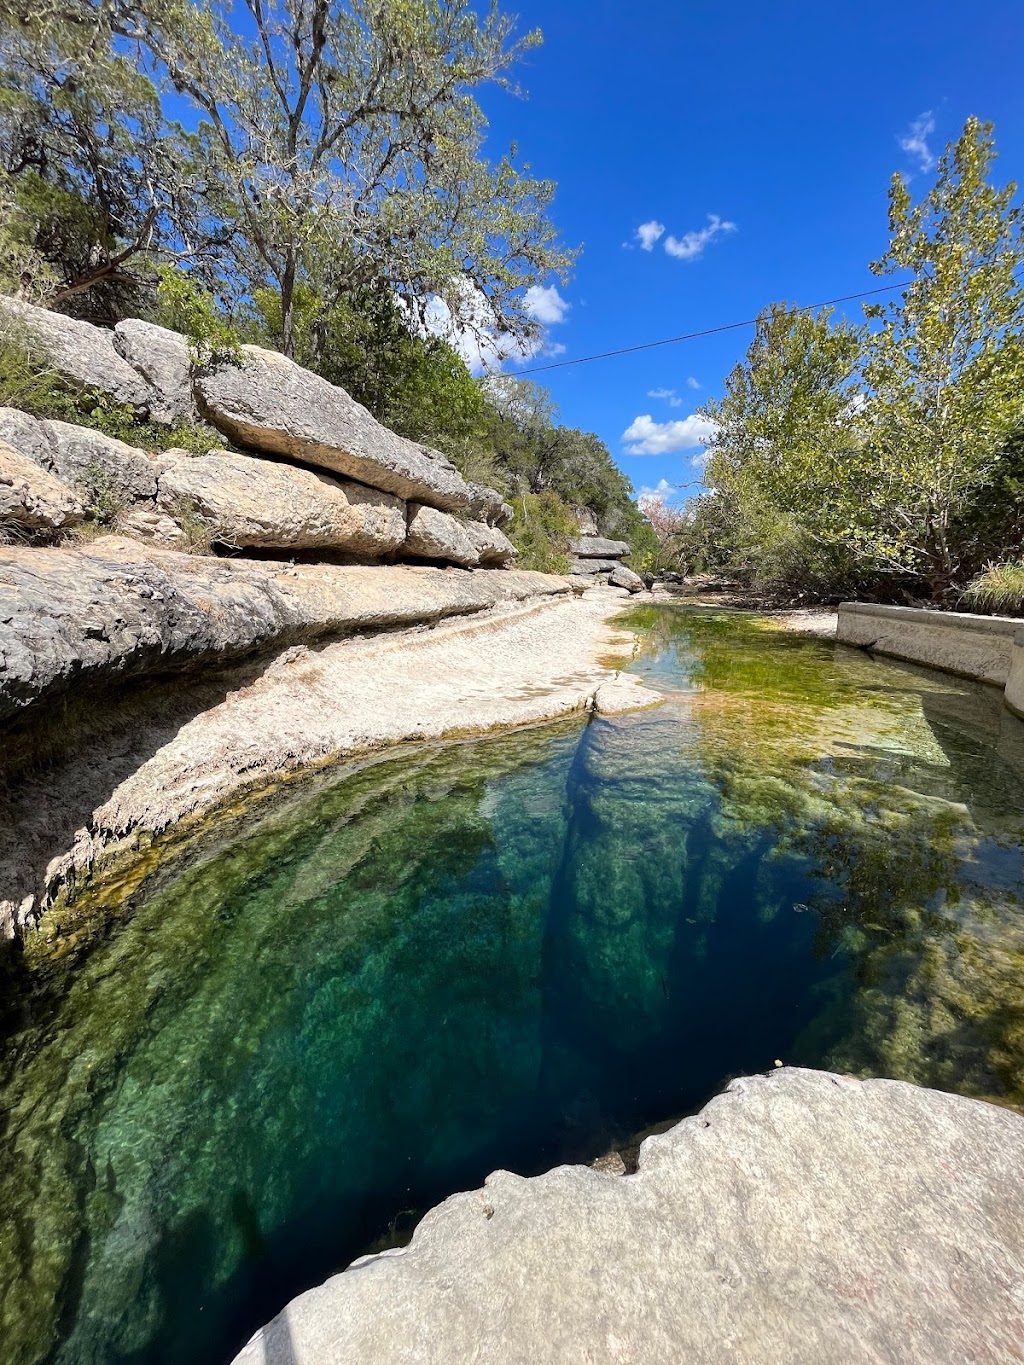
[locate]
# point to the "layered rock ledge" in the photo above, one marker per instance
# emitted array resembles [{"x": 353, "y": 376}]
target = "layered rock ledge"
[{"x": 799, "y": 1218}]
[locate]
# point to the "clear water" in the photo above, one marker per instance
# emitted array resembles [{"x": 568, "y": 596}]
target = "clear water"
[{"x": 510, "y": 953}]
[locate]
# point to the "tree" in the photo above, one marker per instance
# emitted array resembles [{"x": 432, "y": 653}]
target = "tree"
[
  {"x": 785, "y": 454},
  {"x": 945, "y": 367},
  {"x": 350, "y": 144}
]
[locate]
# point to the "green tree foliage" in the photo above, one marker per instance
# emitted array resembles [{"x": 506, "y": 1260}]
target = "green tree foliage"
[{"x": 888, "y": 457}]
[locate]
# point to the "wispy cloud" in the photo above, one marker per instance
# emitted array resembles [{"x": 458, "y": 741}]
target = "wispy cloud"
[
  {"x": 915, "y": 141},
  {"x": 648, "y": 233},
  {"x": 667, "y": 395},
  {"x": 645, "y": 436},
  {"x": 545, "y": 305},
  {"x": 690, "y": 247},
  {"x": 693, "y": 383}
]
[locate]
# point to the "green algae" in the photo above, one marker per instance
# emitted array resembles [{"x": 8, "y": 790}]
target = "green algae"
[{"x": 511, "y": 952}]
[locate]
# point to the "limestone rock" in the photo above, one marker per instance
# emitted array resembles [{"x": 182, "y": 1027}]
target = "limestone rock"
[
  {"x": 28, "y": 435},
  {"x": 436, "y": 535},
  {"x": 799, "y": 1218},
  {"x": 621, "y": 577},
  {"x": 493, "y": 547},
  {"x": 252, "y": 502},
  {"x": 486, "y": 504},
  {"x": 81, "y": 354},
  {"x": 269, "y": 403},
  {"x": 82, "y": 457},
  {"x": 590, "y": 567},
  {"x": 116, "y": 609},
  {"x": 162, "y": 358},
  {"x": 155, "y": 527},
  {"x": 31, "y": 498},
  {"x": 597, "y": 547}
]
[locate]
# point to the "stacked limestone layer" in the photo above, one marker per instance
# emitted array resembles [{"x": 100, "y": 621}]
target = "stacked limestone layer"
[
  {"x": 599, "y": 559},
  {"x": 318, "y": 472}
]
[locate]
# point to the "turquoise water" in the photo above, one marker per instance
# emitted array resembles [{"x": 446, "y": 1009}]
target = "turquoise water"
[{"x": 514, "y": 952}]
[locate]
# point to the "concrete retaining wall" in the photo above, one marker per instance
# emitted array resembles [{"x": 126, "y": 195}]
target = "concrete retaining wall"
[{"x": 986, "y": 648}]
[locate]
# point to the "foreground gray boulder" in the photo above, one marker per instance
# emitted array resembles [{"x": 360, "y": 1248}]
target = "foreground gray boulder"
[
  {"x": 621, "y": 577},
  {"x": 588, "y": 568},
  {"x": 116, "y": 609},
  {"x": 493, "y": 548},
  {"x": 81, "y": 354},
  {"x": 250, "y": 502},
  {"x": 269, "y": 403},
  {"x": 86, "y": 460},
  {"x": 32, "y": 499},
  {"x": 597, "y": 547},
  {"x": 162, "y": 358},
  {"x": 799, "y": 1218}
]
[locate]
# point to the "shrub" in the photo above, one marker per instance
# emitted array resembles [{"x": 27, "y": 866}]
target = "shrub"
[
  {"x": 541, "y": 530},
  {"x": 197, "y": 530},
  {"x": 1000, "y": 588},
  {"x": 193, "y": 311},
  {"x": 103, "y": 500}
]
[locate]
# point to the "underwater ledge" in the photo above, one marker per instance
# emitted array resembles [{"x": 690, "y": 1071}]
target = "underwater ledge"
[{"x": 800, "y": 1216}]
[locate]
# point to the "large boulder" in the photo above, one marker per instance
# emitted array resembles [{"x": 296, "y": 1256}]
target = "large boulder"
[
  {"x": 28, "y": 435},
  {"x": 269, "y": 403},
  {"x": 436, "y": 535},
  {"x": 588, "y": 568},
  {"x": 621, "y": 577},
  {"x": 799, "y": 1218},
  {"x": 252, "y": 502},
  {"x": 597, "y": 547},
  {"x": 493, "y": 547},
  {"x": 83, "y": 355},
  {"x": 162, "y": 358},
  {"x": 115, "y": 609},
  {"x": 31, "y": 498},
  {"x": 486, "y": 504},
  {"x": 94, "y": 462}
]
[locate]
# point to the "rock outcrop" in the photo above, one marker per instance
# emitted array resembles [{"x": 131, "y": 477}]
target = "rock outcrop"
[
  {"x": 115, "y": 609},
  {"x": 621, "y": 577},
  {"x": 436, "y": 535},
  {"x": 264, "y": 503},
  {"x": 800, "y": 1217},
  {"x": 493, "y": 547},
  {"x": 84, "y": 459},
  {"x": 162, "y": 359},
  {"x": 31, "y": 498},
  {"x": 589, "y": 568},
  {"x": 83, "y": 355},
  {"x": 598, "y": 547},
  {"x": 597, "y": 558},
  {"x": 270, "y": 404}
]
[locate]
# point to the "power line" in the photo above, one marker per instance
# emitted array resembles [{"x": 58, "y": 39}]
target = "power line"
[{"x": 707, "y": 331}]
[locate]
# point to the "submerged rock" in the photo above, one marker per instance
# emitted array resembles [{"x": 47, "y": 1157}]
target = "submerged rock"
[
  {"x": 31, "y": 498},
  {"x": 799, "y": 1217},
  {"x": 269, "y": 403},
  {"x": 264, "y": 503}
]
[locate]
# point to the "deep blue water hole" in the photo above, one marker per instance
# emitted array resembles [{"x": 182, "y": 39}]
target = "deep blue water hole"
[{"x": 515, "y": 952}]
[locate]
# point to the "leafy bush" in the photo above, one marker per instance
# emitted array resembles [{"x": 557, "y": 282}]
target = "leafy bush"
[
  {"x": 541, "y": 530},
  {"x": 187, "y": 308},
  {"x": 103, "y": 499},
  {"x": 197, "y": 530},
  {"x": 1000, "y": 588}
]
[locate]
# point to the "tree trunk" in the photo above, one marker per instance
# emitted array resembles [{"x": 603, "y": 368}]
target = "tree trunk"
[{"x": 288, "y": 307}]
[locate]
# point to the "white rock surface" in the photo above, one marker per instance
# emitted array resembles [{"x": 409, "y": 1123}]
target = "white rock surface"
[
  {"x": 800, "y": 1218},
  {"x": 82, "y": 456},
  {"x": 264, "y": 503},
  {"x": 436, "y": 535},
  {"x": 31, "y": 498},
  {"x": 493, "y": 547},
  {"x": 162, "y": 358},
  {"x": 80, "y": 353},
  {"x": 268, "y": 403}
]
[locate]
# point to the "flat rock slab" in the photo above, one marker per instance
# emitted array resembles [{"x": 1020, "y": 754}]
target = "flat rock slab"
[
  {"x": 115, "y": 609},
  {"x": 251, "y": 502},
  {"x": 268, "y": 403},
  {"x": 597, "y": 547},
  {"x": 800, "y": 1218}
]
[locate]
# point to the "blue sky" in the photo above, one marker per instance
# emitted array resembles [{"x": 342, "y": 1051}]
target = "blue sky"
[{"x": 785, "y": 121}]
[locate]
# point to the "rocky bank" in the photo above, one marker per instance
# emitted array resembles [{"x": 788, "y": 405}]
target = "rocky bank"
[
  {"x": 152, "y": 673},
  {"x": 800, "y": 1217}
]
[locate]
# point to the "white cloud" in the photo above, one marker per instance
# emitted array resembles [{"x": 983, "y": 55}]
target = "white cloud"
[
  {"x": 915, "y": 142},
  {"x": 648, "y": 233},
  {"x": 545, "y": 305},
  {"x": 644, "y": 436},
  {"x": 472, "y": 328},
  {"x": 693, "y": 383},
  {"x": 668, "y": 395},
  {"x": 691, "y": 245}
]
